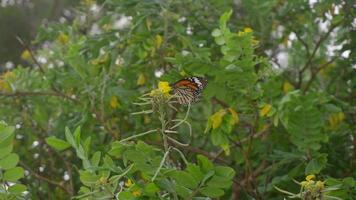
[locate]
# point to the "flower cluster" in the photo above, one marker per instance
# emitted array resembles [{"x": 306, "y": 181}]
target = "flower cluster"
[
  {"x": 163, "y": 89},
  {"x": 312, "y": 189}
]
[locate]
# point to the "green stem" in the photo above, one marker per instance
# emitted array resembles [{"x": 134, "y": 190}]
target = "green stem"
[{"x": 138, "y": 135}]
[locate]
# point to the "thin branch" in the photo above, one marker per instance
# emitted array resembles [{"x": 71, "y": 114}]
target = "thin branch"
[
  {"x": 306, "y": 46},
  {"x": 315, "y": 73},
  {"x": 218, "y": 101},
  {"x": 191, "y": 149},
  {"x": 45, "y": 179},
  {"x": 31, "y": 54},
  {"x": 311, "y": 57},
  {"x": 41, "y": 93}
]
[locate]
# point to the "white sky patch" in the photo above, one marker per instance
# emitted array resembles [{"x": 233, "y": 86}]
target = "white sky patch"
[
  {"x": 95, "y": 8},
  {"x": 18, "y": 126},
  {"x": 159, "y": 73},
  {"x": 9, "y": 65},
  {"x": 346, "y": 54},
  {"x": 19, "y": 136},
  {"x": 282, "y": 59},
  {"x": 42, "y": 168},
  {"x": 312, "y": 3},
  {"x": 323, "y": 25},
  {"x": 42, "y": 59},
  {"x": 122, "y": 23},
  {"x": 95, "y": 29},
  {"x": 353, "y": 24},
  {"x": 189, "y": 30},
  {"x": 66, "y": 176},
  {"x": 278, "y": 33},
  {"x": 185, "y": 52},
  {"x": 35, "y": 143},
  {"x": 36, "y": 155},
  {"x": 182, "y": 19}
]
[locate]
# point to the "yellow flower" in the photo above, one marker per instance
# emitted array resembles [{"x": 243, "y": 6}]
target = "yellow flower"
[
  {"x": 128, "y": 183},
  {"x": 158, "y": 41},
  {"x": 226, "y": 148},
  {"x": 163, "y": 88},
  {"x": 63, "y": 38},
  {"x": 248, "y": 30},
  {"x": 4, "y": 86},
  {"x": 304, "y": 183},
  {"x": 235, "y": 116},
  {"x": 102, "y": 180},
  {"x": 114, "y": 103},
  {"x": 319, "y": 185},
  {"x": 26, "y": 55},
  {"x": 141, "y": 80},
  {"x": 310, "y": 177},
  {"x": 217, "y": 118},
  {"x": 265, "y": 110},
  {"x": 107, "y": 27},
  {"x": 245, "y": 31},
  {"x": 287, "y": 87},
  {"x": 335, "y": 119},
  {"x": 136, "y": 193}
]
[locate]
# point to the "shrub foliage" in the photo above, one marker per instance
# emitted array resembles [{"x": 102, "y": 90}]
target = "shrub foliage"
[{"x": 85, "y": 128}]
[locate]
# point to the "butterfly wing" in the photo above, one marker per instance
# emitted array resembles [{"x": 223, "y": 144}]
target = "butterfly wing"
[
  {"x": 189, "y": 89},
  {"x": 185, "y": 96}
]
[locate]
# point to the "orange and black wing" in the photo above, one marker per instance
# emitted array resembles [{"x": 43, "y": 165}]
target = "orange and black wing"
[{"x": 189, "y": 89}]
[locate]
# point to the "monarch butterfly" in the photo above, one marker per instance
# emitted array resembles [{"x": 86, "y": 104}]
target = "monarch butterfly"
[{"x": 189, "y": 89}]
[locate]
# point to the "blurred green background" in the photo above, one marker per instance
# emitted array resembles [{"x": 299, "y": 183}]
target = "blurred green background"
[{"x": 22, "y": 18}]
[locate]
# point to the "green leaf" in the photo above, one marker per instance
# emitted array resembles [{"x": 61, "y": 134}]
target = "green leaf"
[
  {"x": 219, "y": 182},
  {"x": 5, "y": 133},
  {"x": 76, "y": 134},
  {"x": 57, "y": 144},
  {"x": 151, "y": 188},
  {"x": 95, "y": 159},
  {"x": 224, "y": 18},
  {"x": 88, "y": 178},
  {"x": 316, "y": 165},
  {"x": 116, "y": 149},
  {"x": 6, "y": 150},
  {"x": 212, "y": 192},
  {"x": 17, "y": 188},
  {"x": 216, "y": 32},
  {"x": 183, "y": 178},
  {"x": 86, "y": 144},
  {"x": 126, "y": 195},
  {"x": 194, "y": 171},
  {"x": 182, "y": 191},
  {"x": 220, "y": 40},
  {"x": 226, "y": 172},
  {"x": 204, "y": 163},
  {"x": 10, "y": 161},
  {"x": 14, "y": 174},
  {"x": 70, "y": 138}
]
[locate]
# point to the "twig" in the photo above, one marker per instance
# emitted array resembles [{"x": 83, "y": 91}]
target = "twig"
[
  {"x": 306, "y": 46},
  {"x": 315, "y": 73},
  {"x": 138, "y": 135},
  {"x": 44, "y": 178},
  {"x": 191, "y": 149},
  {"x": 31, "y": 54},
  {"x": 311, "y": 57},
  {"x": 41, "y": 93}
]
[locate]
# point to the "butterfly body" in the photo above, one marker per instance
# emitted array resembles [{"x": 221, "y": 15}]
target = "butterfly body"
[{"x": 189, "y": 89}]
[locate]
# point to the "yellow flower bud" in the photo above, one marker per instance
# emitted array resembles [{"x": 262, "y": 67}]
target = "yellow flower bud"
[
  {"x": 136, "y": 193},
  {"x": 265, "y": 110},
  {"x": 310, "y": 177},
  {"x": 128, "y": 183}
]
